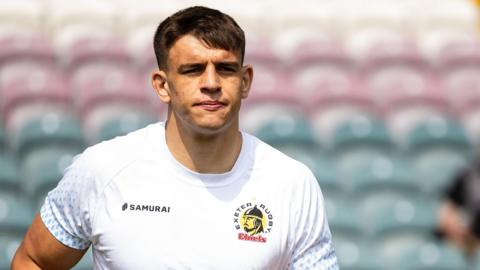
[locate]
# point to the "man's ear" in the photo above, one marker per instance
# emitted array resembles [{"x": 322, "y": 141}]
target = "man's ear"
[
  {"x": 160, "y": 85},
  {"x": 247, "y": 77}
]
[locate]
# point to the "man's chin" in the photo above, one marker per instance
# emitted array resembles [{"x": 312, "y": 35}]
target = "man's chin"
[
  {"x": 213, "y": 126},
  {"x": 209, "y": 128}
]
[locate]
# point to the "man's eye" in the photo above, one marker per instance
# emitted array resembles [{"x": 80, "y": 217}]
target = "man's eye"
[
  {"x": 190, "y": 71},
  {"x": 227, "y": 69}
]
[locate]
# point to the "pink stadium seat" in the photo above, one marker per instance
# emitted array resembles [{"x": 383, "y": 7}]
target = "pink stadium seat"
[
  {"x": 319, "y": 52},
  {"x": 42, "y": 86},
  {"x": 471, "y": 122},
  {"x": 386, "y": 54},
  {"x": 96, "y": 51},
  {"x": 360, "y": 39},
  {"x": 103, "y": 93},
  {"x": 296, "y": 30},
  {"x": 25, "y": 112},
  {"x": 256, "y": 113},
  {"x": 146, "y": 61},
  {"x": 459, "y": 54},
  {"x": 271, "y": 81},
  {"x": 463, "y": 91},
  {"x": 397, "y": 85},
  {"x": 258, "y": 51},
  {"x": 32, "y": 48},
  {"x": 332, "y": 105},
  {"x": 465, "y": 101},
  {"x": 107, "y": 85},
  {"x": 127, "y": 115},
  {"x": 316, "y": 82},
  {"x": 402, "y": 120},
  {"x": 331, "y": 90},
  {"x": 139, "y": 42},
  {"x": 393, "y": 68},
  {"x": 269, "y": 98},
  {"x": 406, "y": 107},
  {"x": 421, "y": 90},
  {"x": 316, "y": 65},
  {"x": 271, "y": 94},
  {"x": 459, "y": 70}
]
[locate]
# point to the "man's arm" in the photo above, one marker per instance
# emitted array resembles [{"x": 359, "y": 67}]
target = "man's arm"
[
  {"x": 453, "y": 225},
  {"x": 41, "y": 250},
  {"x": 312, "y": 242}
]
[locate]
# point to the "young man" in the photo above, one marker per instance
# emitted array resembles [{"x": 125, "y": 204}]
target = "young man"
[{"x": 191, "y": 193}]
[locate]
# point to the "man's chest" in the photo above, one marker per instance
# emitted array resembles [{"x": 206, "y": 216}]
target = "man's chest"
[{"x": 182, "y": 227}]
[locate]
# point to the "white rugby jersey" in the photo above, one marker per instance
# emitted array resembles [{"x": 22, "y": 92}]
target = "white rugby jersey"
[{"x": 141, "y": 209}]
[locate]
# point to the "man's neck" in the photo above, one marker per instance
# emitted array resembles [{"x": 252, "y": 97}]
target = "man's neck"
[{"x": 212, "y": 153}]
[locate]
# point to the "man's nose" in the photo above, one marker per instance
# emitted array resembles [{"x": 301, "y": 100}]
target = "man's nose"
[{"x": 210, "y": 79}]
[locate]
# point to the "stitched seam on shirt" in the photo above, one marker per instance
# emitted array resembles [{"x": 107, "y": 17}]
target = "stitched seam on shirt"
[{"x": 107, "y": 183}]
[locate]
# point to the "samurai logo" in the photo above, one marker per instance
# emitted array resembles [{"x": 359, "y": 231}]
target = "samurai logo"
[{"x": 253, "y": 222}]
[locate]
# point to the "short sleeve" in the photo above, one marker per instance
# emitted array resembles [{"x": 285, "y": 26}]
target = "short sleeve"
[
  {"x": 68, "y": 209},
  {"x": 312, "y": 247}
]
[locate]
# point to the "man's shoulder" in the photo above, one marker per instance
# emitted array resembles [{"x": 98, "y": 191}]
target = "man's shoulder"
[
  {"x": 268, "y": 157},
  {"x": 125, "y": 143},
  {"x": 277, "y": 169},
  {"x": 111, "y": 155}
]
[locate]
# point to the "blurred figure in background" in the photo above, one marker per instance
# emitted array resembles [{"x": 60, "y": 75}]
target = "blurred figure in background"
[{"x": 459, "y": 216}]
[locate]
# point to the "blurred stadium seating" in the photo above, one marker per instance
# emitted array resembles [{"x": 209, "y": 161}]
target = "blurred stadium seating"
[{"x": 381, "y": 99}]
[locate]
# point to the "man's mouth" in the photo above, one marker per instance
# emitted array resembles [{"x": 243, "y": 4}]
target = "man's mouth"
[{"x": 210, "y": 105}]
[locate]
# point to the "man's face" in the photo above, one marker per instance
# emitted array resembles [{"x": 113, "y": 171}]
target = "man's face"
[
  {"x": 205, "y": 85},
  {"x": 249, "y": 224}
]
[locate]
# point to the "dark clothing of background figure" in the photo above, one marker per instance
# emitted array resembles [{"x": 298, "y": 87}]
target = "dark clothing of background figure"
[{"x": 464, "y": 192}]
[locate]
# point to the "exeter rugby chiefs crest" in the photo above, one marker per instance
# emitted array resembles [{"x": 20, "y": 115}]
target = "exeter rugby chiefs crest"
[{"x": 253, "y": 222}]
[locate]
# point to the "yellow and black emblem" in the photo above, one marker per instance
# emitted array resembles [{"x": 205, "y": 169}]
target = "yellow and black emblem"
[{"x": 253, "y": 221}]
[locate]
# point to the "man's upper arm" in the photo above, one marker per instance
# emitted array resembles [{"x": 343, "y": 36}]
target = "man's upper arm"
[{"x": 41, "y": 250}]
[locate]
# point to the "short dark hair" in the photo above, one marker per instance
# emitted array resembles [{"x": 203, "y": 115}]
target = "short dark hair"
[{"x": 216, "y": 29}]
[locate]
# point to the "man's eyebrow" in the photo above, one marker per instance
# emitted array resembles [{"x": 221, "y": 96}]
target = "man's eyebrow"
[
  {"x": 190, "y": 65},
  {"x": 231, "y": 64}
]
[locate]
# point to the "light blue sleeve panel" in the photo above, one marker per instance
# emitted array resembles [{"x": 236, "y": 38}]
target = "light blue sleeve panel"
[
  {"x": 313, "y": 248},
  {"x": 68, "y": 209},
  {"x": 319, "y": 255}
]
